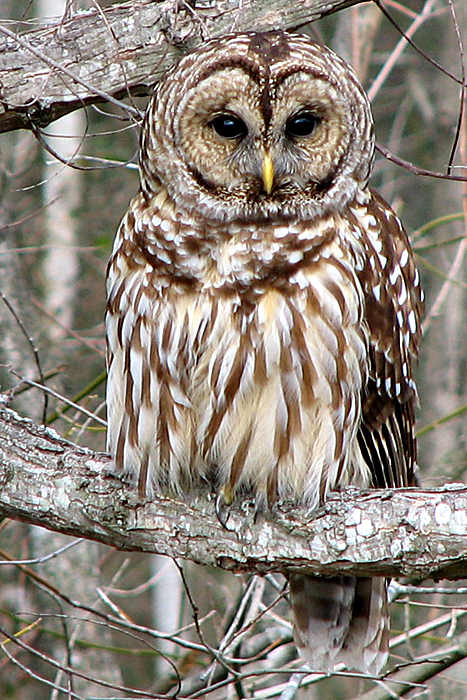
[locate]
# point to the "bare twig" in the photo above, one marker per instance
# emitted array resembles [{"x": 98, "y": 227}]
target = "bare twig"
[{"x": 35, "y": 352}]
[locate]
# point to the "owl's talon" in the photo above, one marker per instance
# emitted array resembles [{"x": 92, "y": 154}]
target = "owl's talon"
[{"x": 222, "y": 507}]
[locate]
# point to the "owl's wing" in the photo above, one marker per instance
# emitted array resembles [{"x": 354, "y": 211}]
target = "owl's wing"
[{"x": 394, "y": 304}]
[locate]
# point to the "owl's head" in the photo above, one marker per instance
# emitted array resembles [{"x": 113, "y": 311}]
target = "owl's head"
[{"x": 258, "y": 125}]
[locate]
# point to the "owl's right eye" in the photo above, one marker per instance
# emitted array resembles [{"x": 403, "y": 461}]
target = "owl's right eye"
[{"x": 229, "y": 126}]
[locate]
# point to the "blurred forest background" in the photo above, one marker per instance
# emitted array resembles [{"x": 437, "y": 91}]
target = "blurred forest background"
[{"x": 134, "y": 625}]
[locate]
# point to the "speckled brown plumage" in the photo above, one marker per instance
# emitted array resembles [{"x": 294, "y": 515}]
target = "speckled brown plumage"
[{"x": 264, "y": 306}]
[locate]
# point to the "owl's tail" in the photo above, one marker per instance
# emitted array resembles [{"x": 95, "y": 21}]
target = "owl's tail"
[{"x": 341, "y": 619}]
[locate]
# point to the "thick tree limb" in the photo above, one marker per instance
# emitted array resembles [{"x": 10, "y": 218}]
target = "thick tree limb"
[
  {"x": 122, "y": 50},
  {"x": 47, "y": 481}
]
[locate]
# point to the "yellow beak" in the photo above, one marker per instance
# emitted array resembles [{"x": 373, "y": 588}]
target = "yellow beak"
[{"x": 268, "y": 173}]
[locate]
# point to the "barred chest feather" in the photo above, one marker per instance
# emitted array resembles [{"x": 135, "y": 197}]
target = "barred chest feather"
[{"x": 236, "y": 359}]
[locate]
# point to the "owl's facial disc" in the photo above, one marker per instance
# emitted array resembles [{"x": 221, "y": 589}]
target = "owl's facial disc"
[
  {"x": 247, "y": 134},
  {"x": 255, "y": 133}
]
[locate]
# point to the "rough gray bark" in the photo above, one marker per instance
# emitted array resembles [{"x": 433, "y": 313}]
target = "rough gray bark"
[
  {"x": 47, "y": 481},
  {"x": 100, "y": 54}
]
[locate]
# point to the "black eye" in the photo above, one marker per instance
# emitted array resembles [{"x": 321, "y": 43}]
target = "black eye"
[
  {"x": 302, "y": 124},
  {"x": 229, "y": 126}
]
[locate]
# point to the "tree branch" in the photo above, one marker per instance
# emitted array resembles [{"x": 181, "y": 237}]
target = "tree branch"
[
  {"x": 50, "y": 482},
  {"x": 111, "y": 53}
]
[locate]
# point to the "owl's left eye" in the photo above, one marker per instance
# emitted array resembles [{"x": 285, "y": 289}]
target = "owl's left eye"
[
  {"x": 229, "y": 126},
  {"x": 302, "y": 124}
]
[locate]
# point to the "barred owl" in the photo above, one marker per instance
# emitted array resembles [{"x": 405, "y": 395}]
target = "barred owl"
[{"x": 264, "y": 307}]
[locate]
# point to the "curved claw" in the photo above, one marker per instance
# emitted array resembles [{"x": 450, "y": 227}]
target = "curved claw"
[{"x": 223, "y": 501}]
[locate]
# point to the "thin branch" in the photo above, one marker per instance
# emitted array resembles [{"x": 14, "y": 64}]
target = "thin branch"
[
  {"x": 414, "y": 45},
  {"x": 463, "y": 90},
  {"x": 49, "y": 660},
  {"x": 419, "y": 671},
  {"x": 35, "y": 352},
  {"x": 402, "y": 44},
  {"x": 446, "y": 287},
  {"x": 416, "y": 169},
  {"x": 68, "y": 402}
]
